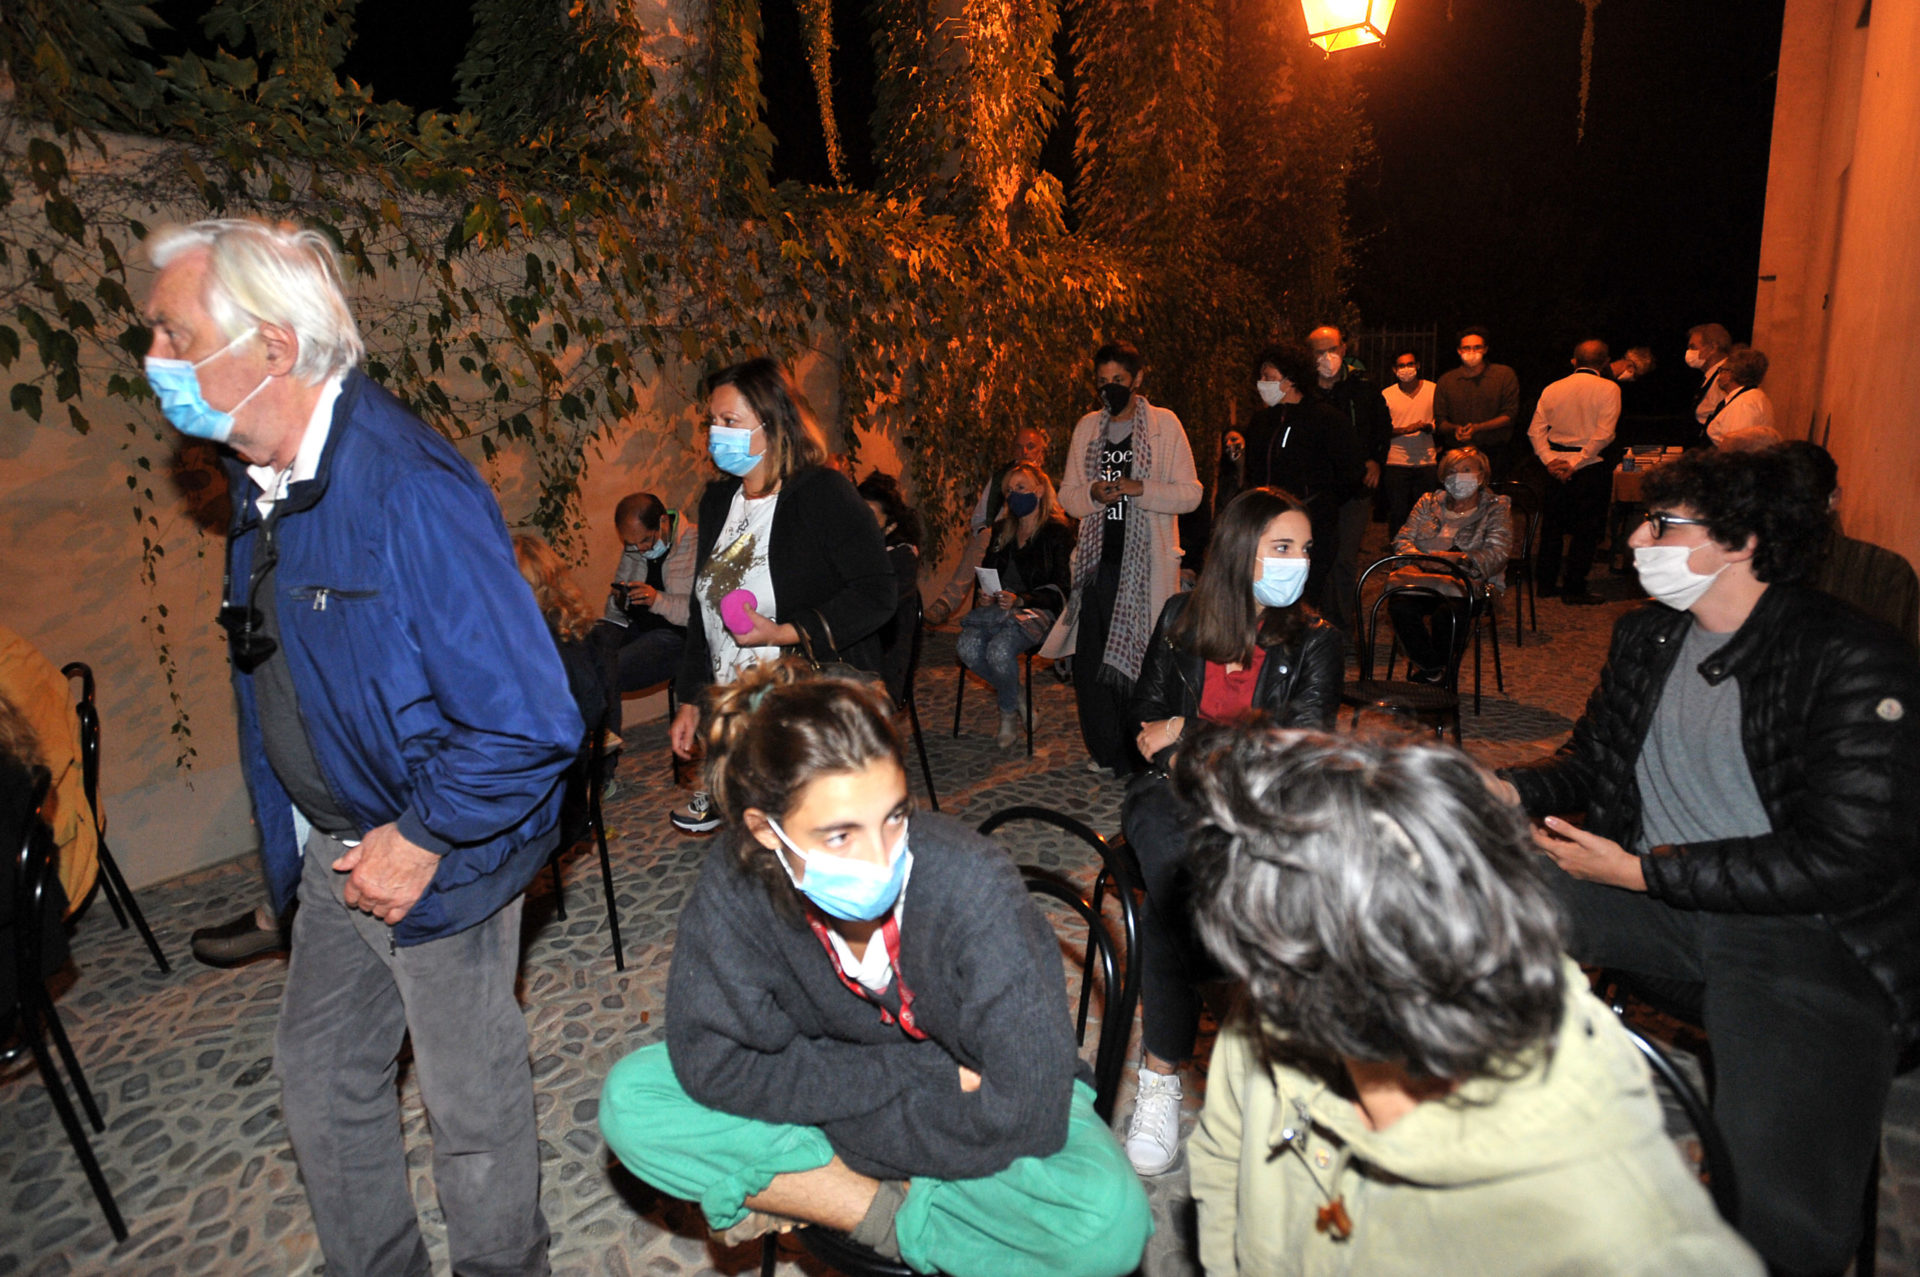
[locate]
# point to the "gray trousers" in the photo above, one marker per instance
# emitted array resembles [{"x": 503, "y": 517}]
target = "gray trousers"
[{"x": 351, "y": 999}]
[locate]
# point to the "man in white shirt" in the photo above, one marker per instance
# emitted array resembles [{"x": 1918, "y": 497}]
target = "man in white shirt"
[
  {"x": 1411, "y": 464},
  {"x": 1572, "y": 426},
  {"x": 1707, "y": 348},
  {"x": 1744, "y": 407}
]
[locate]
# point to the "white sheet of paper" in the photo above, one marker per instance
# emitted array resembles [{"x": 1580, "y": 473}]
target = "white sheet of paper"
[{"x": 989, "y": 580}]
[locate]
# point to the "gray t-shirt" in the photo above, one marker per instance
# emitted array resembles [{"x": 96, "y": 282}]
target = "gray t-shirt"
[{"x": 1695, "y": 785}]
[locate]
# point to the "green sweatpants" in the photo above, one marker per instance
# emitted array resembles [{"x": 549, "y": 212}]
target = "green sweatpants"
[{"x": 1078, "y": 1213}]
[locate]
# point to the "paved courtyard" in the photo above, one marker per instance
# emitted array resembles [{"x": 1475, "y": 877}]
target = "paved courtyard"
[{"x": 199, "y": 1161}]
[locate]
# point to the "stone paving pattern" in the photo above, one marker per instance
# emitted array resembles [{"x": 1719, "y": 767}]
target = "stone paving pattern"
[{"x": 200, "y": 1164}]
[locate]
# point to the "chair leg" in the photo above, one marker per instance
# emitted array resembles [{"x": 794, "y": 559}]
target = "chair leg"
[
  {"x": 769, "y": 1254},
  {"x": 606, "y": 880},
  {"x": 919, "y": 744},
  {"x": 49, "y": 1017},
  {"x": 82, "y": 1147},
  {"x": 1086, "y": 968},
  {"x": 110, "y": 872},
  {"x": 1499, "y": 675},
  {"x": 1475, "y": 622},
  {"x": 559, "y": 893},
  {"x": 959, "y": 694}
]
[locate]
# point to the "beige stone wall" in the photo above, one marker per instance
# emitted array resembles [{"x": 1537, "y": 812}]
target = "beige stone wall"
[
  {"x": 70, "y": 555},
  {"x": 1838, "y": 301}
]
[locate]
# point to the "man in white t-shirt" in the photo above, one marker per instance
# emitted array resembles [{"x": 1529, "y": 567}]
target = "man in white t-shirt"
[{"x": 1411, "y": 463}]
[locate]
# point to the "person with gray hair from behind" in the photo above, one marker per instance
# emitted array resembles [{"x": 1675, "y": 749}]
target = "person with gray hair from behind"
[
  {"x": 404, "y": 721},
  {"x": 1418, "y": 1080}
]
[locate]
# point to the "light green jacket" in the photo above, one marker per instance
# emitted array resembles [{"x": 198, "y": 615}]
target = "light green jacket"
[{"x": 1564, "y": 1170}]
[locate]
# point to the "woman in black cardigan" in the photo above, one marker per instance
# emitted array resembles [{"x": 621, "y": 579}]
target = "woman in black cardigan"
[
  {"x": 788, "y": 554},
  {"x": 1241, "y": 645}
]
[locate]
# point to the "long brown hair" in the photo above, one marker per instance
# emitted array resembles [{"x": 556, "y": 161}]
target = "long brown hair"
[
  {"x": 793, "y": 439},
  {"x": 769, "y": 734},
  {"x": 560, "y": 601},
  {"x": 1222, "y": 622}
]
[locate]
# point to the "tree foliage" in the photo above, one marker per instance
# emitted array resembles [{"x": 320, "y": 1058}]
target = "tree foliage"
[{"x": 596, "y": 229}]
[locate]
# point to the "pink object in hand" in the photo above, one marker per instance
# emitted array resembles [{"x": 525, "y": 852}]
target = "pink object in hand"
[{"x": 733, "y": 610}]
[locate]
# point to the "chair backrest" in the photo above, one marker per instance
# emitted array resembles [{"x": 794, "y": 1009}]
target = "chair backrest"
[
  {"x": 89, "y": 715},
  {"x": 1431, "y": 565},
  {"x": 1122, "y": 987},
  {"x": 1116, "y": 1022},
  {"x": 1873, "y": 580},
  {"x": 1524, "y": 501},
  {"x": 1717, "y": 1163}
]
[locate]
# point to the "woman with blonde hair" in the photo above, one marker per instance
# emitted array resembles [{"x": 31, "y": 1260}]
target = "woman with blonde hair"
[
  {"x": 569, "y": 619},
  {"x": 867, "y": 1021},
  {"x": 1031, "y": 552}
]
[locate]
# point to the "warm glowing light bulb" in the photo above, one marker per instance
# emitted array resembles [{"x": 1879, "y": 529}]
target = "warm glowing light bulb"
[{"x": 1347, "y": 24}]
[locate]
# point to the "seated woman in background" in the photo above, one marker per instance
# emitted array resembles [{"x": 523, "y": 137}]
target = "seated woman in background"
[
  {"x": 1461, "y": 521},
  {"x": 901, "y": 529},
  {"x": 862, "y": 1033},
  {"x": 1419, "y": 1081},
  {"x": 1241, "y": 645},
  {"x": 570, "y": 620},
  {"x": 1032, "y": 550}
]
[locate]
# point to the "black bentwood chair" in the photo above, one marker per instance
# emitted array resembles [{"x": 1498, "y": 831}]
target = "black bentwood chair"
[
  {"x": 911, "y": 704},
  {"x": 33, "y": 1012},
  {"x": 1438, "y": 703},
  {"x": 1525, "y": 504},
  {"x": 842, "y": 1253},
  {"x": 580, "y": 815},
  {"x": 112, "y": 885}
]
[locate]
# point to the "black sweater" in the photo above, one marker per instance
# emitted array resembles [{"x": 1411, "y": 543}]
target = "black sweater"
[
  {"x": 758, "y": 1024},
  {"x": 1830, "y": 722},
  {"x": 1045, "y": 563},
  {"x": 831, "y": 577}
]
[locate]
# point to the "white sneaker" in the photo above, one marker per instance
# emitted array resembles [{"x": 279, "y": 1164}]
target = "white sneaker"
[
  {"x": 697, "y": 817},
  {"x": 1153, "y": 1133}
]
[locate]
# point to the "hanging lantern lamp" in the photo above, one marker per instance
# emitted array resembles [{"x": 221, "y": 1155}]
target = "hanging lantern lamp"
[{"x": 1347, "y": 24}]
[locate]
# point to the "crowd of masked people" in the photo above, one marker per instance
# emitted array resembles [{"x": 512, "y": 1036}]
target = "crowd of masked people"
[{"x": 866, "y": 1023}]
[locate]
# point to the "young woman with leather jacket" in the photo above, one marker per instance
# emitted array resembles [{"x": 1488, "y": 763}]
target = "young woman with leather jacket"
[{"x": 1241, "y": 645}]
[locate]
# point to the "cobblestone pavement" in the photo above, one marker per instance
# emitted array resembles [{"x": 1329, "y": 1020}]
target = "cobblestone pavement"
[{"x": 195, "y": 1151}]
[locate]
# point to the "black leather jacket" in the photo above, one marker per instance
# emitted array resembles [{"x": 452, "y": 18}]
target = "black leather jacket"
[
  {"x": 1830, "y": 721},
  {"x": 1298, "y": 686},
  {"x": 1046, "y": 565}
]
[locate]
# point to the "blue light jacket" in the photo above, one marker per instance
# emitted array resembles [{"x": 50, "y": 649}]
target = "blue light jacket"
[{"x": 430, "y": 688}]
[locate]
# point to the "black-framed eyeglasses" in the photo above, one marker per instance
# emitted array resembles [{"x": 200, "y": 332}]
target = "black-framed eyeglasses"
[
  {"x": 247, "y": 642},
  {"x": 1661, "y": 521}
]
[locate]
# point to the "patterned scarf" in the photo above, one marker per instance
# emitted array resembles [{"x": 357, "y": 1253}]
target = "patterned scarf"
[{"x": 1132, "y": 623}]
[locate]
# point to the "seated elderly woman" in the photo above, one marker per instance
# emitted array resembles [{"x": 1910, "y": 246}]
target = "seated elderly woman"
[
  {"x": 1419, "y": 1081},
  {"x": 1462, "y": 521},
  {"x": 1746, "y": 407},
  {"x": 862, "y": 1033}
]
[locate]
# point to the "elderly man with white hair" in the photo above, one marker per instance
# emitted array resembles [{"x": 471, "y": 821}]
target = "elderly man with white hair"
[{"x": 404, "y": 721}]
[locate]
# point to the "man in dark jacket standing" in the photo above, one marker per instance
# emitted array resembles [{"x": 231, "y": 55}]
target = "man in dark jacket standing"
[
  {"x": 1749, "y": 767},
  {"x": 404, "y": 721},
  {"x": 1358, "y": 397}
]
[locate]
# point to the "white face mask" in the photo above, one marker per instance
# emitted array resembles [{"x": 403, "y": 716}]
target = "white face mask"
[
  {"x": 1270, "y": 391},
  {"x": 1463, "y": 485},
  {"x": 1407, "y": 376},
  {"x": 1696, "y": 359},
  {"x": 1328, "y": 364},
  {"x": 1472, "y": 358},
  {"x": 1665, "y": 575}
]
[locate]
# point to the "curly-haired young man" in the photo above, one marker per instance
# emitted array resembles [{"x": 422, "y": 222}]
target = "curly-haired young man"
[{"x": 1749, "y": 767}]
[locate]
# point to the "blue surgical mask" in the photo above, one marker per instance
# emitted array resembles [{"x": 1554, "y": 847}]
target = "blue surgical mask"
[
  {"x": 845, "y": 888},
  {"x": 1280, "y": 582},
  {"x": 658, "y": 550},
  {"x": 176, "y": 384},
  {"x": 1022, "y": 504},
  {"x": 731, "y": 449}
]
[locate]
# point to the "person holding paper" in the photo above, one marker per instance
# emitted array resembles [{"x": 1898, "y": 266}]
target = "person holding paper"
[{"x": 1023, "y": 582}]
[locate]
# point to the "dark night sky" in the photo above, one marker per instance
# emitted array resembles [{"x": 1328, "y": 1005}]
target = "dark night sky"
[{"x": 1480, "y": 206}]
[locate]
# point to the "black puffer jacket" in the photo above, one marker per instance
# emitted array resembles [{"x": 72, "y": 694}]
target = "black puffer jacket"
[
  {"x": 1298, "y": 686},
  {"x": 1830, "y": 720}
]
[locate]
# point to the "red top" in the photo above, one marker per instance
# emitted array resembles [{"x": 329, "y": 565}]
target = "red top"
[{"x": 1226, "y": 698}]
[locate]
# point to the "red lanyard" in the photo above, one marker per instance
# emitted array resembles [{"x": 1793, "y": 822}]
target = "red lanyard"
[{"x": 889, "y": 936}]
